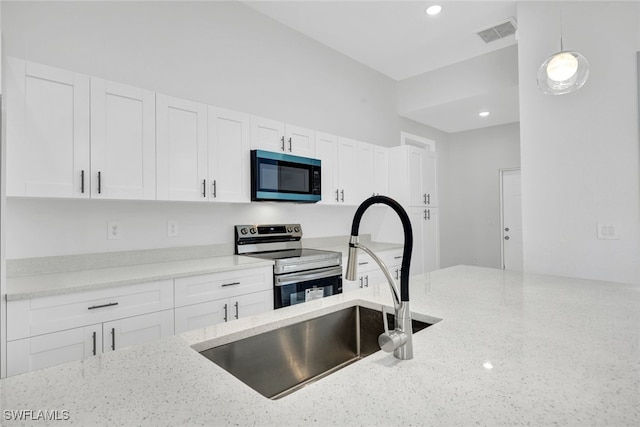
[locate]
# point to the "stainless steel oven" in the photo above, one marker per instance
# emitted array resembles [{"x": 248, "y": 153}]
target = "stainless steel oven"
[{"x": 299, "y": 274}]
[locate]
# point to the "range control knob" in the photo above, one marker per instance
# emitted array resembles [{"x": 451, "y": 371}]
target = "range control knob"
[
  {"x": 296, "y": 229},
  {"x": 253, "y": 231},
  {"x": 244, "y": 231},
  {"x": 289, "y": 229}
]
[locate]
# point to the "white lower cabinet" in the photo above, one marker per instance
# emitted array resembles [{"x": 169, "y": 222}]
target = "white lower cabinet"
[
  {"x": 426, "y": 240},
  {"x": 369, "y": 273},
  {"x": 209, "y": 299},
  {"x": 212, "y": 312},
  {"x": 55, "y": 348}
]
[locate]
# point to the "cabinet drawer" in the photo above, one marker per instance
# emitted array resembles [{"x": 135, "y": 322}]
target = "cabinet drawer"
[
  {"x": 209, "y": 287},
  {"x": 36, "y": 316}
]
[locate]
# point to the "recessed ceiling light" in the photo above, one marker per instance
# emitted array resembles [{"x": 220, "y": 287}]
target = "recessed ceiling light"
[
  {"x": 484, "y": 113},
  {"x": 434, "y": 10}
]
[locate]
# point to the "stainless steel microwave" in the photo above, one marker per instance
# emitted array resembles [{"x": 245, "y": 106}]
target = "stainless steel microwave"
[{"x": 284, "y": 178}]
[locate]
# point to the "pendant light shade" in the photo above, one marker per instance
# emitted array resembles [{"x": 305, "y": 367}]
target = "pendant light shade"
[{"x": 563, "y": 72}]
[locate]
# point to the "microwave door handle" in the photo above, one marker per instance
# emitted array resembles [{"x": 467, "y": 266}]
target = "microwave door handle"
[{"x": 305, "y": 277}]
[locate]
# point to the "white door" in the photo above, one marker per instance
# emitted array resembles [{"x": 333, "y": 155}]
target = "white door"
[
  {"x": 365, "y": 165},
  {"x": 181, "y": 145},
  {"x": 53, "y": 349},
  {"x": 327, "y": 152},
  {"x": 347, "y": 166},
  {"x": 250, "y": 304},
  {"x": 229, "y": 159},
  {"x": 300, "y": 141},
  {"x": 511, "y": 220},
  {"x": 137, "y": 330},
  {"x": 47, "y": 131},
  {"x": 267, "y": 134},
  {"x": 123, "y": 141}
]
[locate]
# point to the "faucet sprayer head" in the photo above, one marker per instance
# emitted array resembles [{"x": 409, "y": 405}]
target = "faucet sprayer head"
[{"x": 352, "y": 260}]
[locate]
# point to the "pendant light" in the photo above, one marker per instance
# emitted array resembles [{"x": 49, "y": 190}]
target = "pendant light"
[{"x": 563, "y": 72}]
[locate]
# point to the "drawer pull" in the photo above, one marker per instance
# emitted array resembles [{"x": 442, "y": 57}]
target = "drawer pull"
[
  {"x": 111, "y": 304},
  {"x": 113, "y": 339},
  {"x": 397, "y": 257},
  {"x": 363, "y": 263},
  {"x": 94, "y": 343},
  {"x": 230, "y": 284}
]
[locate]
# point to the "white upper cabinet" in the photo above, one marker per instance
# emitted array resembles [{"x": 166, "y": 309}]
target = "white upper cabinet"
[
  {"x": 123, "y": 141},
  {"x": 327, "y": 152},
  {"x": 47, "y": 131},
  {"x": 365, "y": 171},
  {"x": 229, "y": 160},
  {"x": 181, "y": 149},
  {"x": 347, "y": 171},
  {"x": 413, "y": 181},
  {"x": 380, "y": 170},
  {"x": 271, "y": 135}
]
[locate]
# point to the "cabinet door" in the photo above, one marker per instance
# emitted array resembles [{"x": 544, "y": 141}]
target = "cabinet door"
[
  {"x": 431, "y": 238},
  {"x": 300, "y": 141},
  {"x": 267, "y": 134},
  {"x": 327, "y": 152},
  {"x": 53, "y": 349},
  {"x": 47, "y": 131},
  {"x": 417, "y": 216},
  {"x": 201, "y": 315},
  {"x": 417, "y": 176},
  {"x": 365, "y": 165},
  {"x": 137, "y": 330},
  {"x": 122, "y": 141},
  {"x": 380, "y": 170},
  {"x": 250, "y": 304},
  {"x": 429, "y": 176},
  {"x": 181, "y": 144},
  {"x": 229, "y": 160},
  {"x": 347, "y": 170}
]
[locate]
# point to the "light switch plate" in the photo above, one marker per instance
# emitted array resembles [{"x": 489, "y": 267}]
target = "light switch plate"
[{"x": 608, "y": 231}]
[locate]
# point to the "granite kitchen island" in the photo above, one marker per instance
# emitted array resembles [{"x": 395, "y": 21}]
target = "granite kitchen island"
[{"x": 508, "y": 349}]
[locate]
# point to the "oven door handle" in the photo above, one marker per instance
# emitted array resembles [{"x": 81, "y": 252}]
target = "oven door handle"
[{"x": 286, "y": 279}]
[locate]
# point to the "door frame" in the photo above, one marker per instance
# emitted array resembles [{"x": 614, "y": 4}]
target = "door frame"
[{"x": 501, "y": 175}]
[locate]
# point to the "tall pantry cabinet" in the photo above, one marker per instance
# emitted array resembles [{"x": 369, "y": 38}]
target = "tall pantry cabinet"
[{"x": 412, "y": 182}]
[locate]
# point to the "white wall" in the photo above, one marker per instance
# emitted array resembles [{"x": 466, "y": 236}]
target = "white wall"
[
  {"x": 580, "y": 156},
  {"x": 221, "y": 53},
  {"x": 470, "y": 194}
]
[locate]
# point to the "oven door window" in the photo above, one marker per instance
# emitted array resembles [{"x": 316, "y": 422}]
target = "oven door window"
[{"x": 296, "y": 293}]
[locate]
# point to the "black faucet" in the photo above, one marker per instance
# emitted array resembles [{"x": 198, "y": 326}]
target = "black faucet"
[{"x": 399, "y": 341}]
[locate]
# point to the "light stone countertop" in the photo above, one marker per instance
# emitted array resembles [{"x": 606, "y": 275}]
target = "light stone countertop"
[
  {"x": 82, "y": 280},
  {"x": 511, "y": 349}
]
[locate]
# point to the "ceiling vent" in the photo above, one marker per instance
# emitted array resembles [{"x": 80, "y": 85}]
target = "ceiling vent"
[{"x": 500, "y": 31}]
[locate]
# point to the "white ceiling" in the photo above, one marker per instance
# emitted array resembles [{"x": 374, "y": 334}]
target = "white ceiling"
[{"x": 399, "y": 40}]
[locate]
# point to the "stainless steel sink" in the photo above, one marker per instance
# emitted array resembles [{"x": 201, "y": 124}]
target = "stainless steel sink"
[{"x": 279, "y": 362}]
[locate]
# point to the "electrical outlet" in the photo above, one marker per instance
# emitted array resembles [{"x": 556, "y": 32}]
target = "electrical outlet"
[
  {"x": 608, "y": 231},
  {"x": 172, "y": 228},
  {"x": 114, "y": 231}
]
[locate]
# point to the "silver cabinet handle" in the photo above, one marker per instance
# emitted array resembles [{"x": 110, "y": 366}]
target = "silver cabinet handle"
[
  {"x": 342, "y": 195},
  {"x": 424, "y": 214},
  {"x": 236, "y": 304},
  {"x": 230, "y": 284},
  {"x": 113, "y": 339},
  {"x": 215, "y": 190},
  {"x": 363, "y": 263},
  {"x": 397, "y": 257},
  {"x": 290, "y": 145},
  {"x": 424, "y": 198},
  {"x": 82, "y": 181},
  {"x": 225, "y": 312},
  {"x": 282, "y": 140},
  {"x": 366, "y": 279},
  {"x": 428, "y": 214},
  {"x": 99, "y": 182},
  {"x": 428, "y": 199},
  {"x": 94, "y": 343},
  {"x": 362, "y": 282},
  {"x": 111, "y": 304},
  {"x": 337, "y": 198}
]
